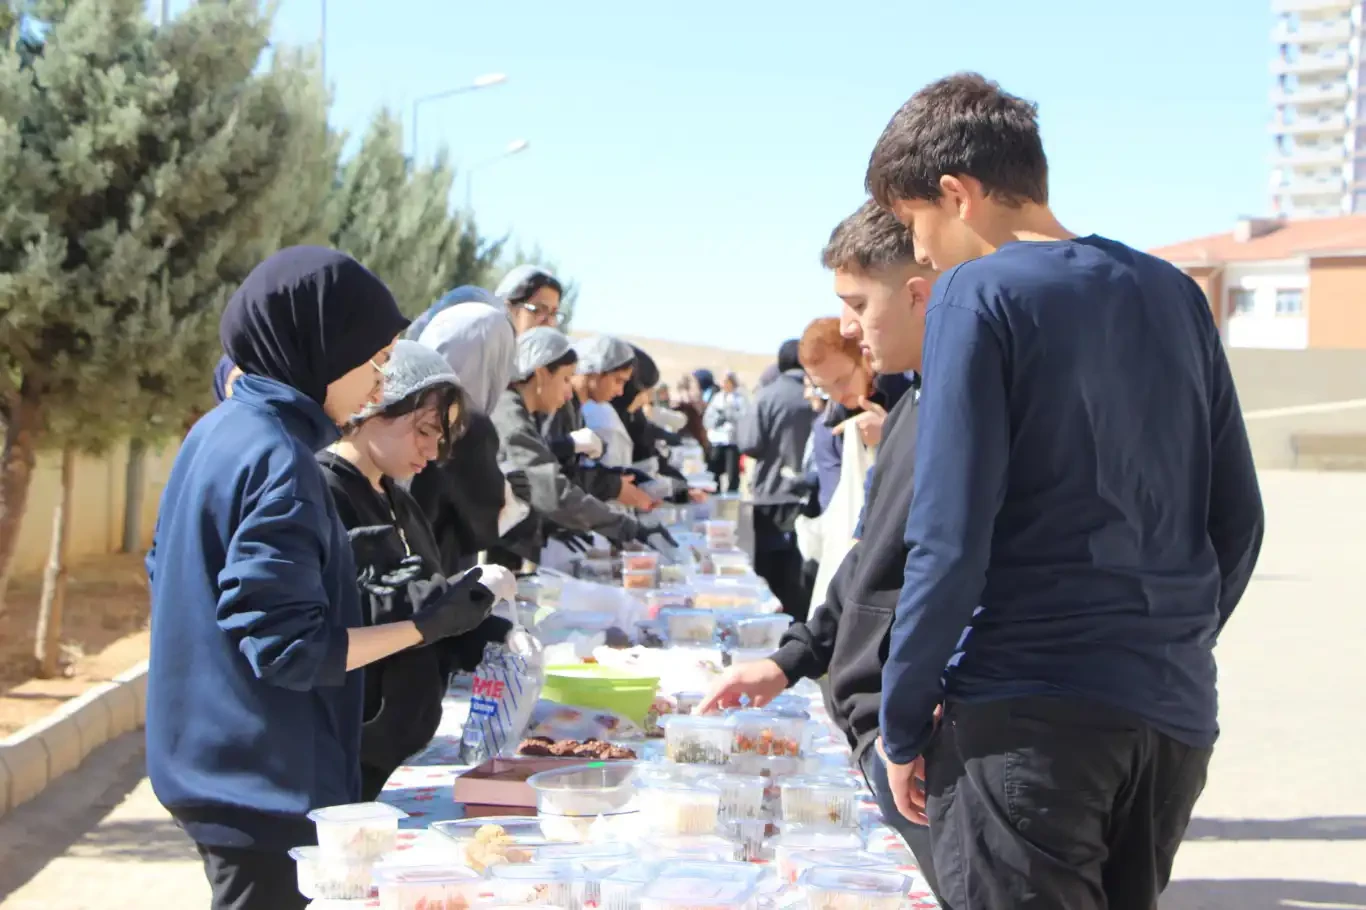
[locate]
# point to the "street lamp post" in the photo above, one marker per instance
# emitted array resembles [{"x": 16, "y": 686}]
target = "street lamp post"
[
  {"x": 485, "y": 81},
  {"x": 514, "y": 147}
]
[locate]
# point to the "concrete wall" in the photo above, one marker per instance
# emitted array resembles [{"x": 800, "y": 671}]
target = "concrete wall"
[
  {"x": 1277, "y": 388},
  {"x": 99, "y": 489}
]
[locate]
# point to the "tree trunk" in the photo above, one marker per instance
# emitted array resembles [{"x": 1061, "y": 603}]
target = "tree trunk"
[
  {"x": 132, "y": 497},
  {"x": 16, "y": 473},
  {"x": 48, "y": 641}
]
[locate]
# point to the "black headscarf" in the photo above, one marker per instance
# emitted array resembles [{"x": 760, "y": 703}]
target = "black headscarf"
[
  {"x": 306, "y": 317},
  {"x": 787, "y": 356},
  {"x": 220, "y": 378}
]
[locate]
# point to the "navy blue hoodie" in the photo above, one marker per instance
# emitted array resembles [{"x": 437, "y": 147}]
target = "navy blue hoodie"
[{"x": 252, "y": 719}]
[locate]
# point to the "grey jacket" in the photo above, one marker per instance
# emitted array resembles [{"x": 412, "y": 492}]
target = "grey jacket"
[
  {"x": 554, "y": 497},
  {"x": 773, "y": 432}
]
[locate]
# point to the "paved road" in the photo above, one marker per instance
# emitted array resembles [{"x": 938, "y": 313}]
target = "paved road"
[{"x": 1282, "y": 823}]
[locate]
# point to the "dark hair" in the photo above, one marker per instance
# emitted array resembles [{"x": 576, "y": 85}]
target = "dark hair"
[
  {"x": 963, "y": 125},
  {"x": 440, "y": 398},
  {"x": 568, "y": 358},
  {"x": 871, "y": 239},
  {"x": 534, "y": 282}
]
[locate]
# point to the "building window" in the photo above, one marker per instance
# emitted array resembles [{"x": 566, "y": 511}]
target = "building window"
[
  {"x": 1240, "y": 301},
  {"x": 1290, "y": 302}
]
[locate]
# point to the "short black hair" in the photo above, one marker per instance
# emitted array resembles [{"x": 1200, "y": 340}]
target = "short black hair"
[
  {"x": 534, "y": 282},
  {"x": 963, "y": 125},
  {"x": 869, "y": 240},
  {"x": 440, "y": 398}
]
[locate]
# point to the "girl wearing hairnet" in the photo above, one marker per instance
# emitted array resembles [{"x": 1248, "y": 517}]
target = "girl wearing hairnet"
[
  {"x": 466, "y": 495},
  {"x": 418, "y": 417},
  {"x": 542, "y": 383}
]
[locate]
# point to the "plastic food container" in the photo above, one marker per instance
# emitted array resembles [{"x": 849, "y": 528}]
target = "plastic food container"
[
  {"x": 640, "y": 560},
  {"x": 719, "y": 872},
  {"x": 721, "y": 534},
  {"x": 828, "y": 801},
  {"x": 445, "y": 887},
  {"x": 854, "y": 889},
  {"x": 599, "y": 570},
  {"x": 637, "y": 579},
  {"x": 357, "y": 831},
  {"x": 331, "y": 878},
  {"x": 688, "y": 701},
  {"x": 746, "y": 838},
  {"x": 673, "y": 575},
  {"x": 692, "y": 739},
  {"x": 749, "y": 655},
  {"x": 677, "y": 808},
  {"x": 729, "y": 595},
  {"x": 742, "y": 796},
  {"x": 549, "y": 884},
  {"x": 858, "y": 860},
  {"x": 706, "y": 848},
  {"x": 730, "y": 563},
  {"x": 524, "y": 828},
  {"x": 697, "y": 894},
  {"x": 541, "y": 590},
  {"x": 686, "y": 626},
  {"x": 662, "y": 599},
  {"x": 761, "y": 732},
  {"x": 798, "y": 841},
  {"x": 621, "y": 890},
  {"x": 761, "y": 631},
  {"x": 570, "y": 801}
]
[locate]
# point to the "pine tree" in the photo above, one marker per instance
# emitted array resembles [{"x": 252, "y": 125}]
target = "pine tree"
[{"x": 143, "y": 173}]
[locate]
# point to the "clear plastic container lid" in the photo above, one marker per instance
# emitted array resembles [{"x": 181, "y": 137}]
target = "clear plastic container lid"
[
  {"x": 749, "y": 655},
  {"x": 823, "y": 784},
  {"x": 861, "y": 883},
  {"x": 585, "y": 853},
  {"x": 803, "y": 837},
  {"x": 357, "y": 814},
  {"x": 426, "y": 875},
  {"x": 696, "y": 892},
  {"x": 683, "y": 724},
  {"x": 704, "y": 848},
  {"x": 521, "y": 827},
  {"x": 549, "y": 873}
]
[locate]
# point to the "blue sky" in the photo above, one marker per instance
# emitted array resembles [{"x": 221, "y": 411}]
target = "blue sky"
[{"x": 687, "y": 161}]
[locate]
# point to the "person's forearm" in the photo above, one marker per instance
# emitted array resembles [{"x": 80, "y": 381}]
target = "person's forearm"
[{"x": 371, "y": 643}]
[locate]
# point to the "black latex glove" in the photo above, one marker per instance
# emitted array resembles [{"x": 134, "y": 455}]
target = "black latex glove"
[
  {"x": 443, "y": 609},
  {"x": 521, "y": 485},
  {"x": 656, "y": 537},
  {"x": 575, "y": 541},
  {"x": 466, "y": 652}
]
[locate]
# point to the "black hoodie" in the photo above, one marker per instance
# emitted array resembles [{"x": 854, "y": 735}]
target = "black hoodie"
[
  {"x": 847, "y": 637},
  {"x": 403, "y": 692}
]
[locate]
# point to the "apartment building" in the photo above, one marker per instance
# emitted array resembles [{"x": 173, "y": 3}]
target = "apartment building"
[
  {"x": 1278, "y": 283},
  {"x": 1319, "y": 125}
]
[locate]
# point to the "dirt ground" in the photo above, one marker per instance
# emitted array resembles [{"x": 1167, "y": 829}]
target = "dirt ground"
[{"x": 104, "y": 632}]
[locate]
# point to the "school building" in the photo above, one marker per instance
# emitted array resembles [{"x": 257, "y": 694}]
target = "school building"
[{"x": 1283, "y": 284}]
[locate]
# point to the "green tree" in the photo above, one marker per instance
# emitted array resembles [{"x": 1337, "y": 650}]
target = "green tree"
[
  {"x": 143, "y": 173},
  {"x": 398, "y": 220}
]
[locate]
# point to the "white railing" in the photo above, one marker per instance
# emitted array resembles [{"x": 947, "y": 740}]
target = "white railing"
[{"x": 1333, "y": 123}]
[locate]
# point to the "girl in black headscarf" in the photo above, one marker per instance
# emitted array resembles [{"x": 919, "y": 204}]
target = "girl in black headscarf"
[{"x": 253, "y": 718}]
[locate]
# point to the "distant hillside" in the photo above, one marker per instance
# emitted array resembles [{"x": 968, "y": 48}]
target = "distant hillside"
[{"x": 676, "y": 359}]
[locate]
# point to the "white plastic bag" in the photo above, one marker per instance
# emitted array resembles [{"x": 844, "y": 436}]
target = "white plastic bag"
[{"x": 506, "y": 688}]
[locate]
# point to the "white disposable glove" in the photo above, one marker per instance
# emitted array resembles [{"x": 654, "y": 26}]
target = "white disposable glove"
[
  {"x": 522, "y": 643},
  {"x": 500, "y": 582},
  {"x": 514, "y": 511},
  {"x": 586, "y": 442}
]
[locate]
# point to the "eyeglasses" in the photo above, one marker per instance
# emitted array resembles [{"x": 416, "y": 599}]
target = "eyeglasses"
[{"x": 544, "y": 312}]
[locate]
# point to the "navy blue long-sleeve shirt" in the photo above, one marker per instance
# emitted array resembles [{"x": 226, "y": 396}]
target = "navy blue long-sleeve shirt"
[
  {"x": 1087, "y": 481},
  {"x": 252, "y": 719}
]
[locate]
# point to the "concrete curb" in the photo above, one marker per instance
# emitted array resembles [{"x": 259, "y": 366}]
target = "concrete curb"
[{"x": 42, "y": 752}]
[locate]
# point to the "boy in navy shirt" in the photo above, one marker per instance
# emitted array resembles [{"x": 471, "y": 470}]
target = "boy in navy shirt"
[{"x": 1086, "y": 517}]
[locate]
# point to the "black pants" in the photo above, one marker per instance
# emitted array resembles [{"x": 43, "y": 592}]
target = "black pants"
[
  {"x": 726, "y": 460},
  {"x": 917, "y": 837},
  {"x": 251, "y": 879},
  {"x": 781, "y": 566},
  {"x": 1056, "y": 803}
]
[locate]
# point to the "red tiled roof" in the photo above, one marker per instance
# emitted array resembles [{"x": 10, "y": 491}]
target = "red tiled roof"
[{"x": 1312, "y": 237}]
